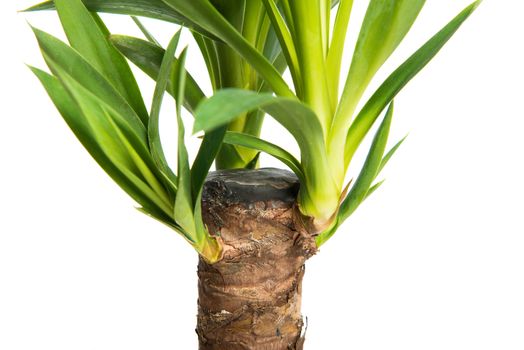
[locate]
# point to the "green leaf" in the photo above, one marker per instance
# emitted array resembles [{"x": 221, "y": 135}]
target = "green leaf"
[
  {"x": 336, "y": 49},
  {"x": 228, "y": 104},
  {"x": 184, "y": 214},
  {"x": 144, "y": 31},
  {"x": 254, "y": 163},
  {"x": 208, "y": 151},
  {"x": 155, "y": 145},
  {"x": 390, "y": 154},
  {"x": 210, "y": 55},
  {"x": 156, "y": 9},
  {"x": 249, "y": 141},
  {"x": 60, "y": 56},
  {"x": 397, "y": 80},
  {"x": 115, "y": 136},
  {"x": 367, "y": 175},
  {"x": 207, "y": 16},
  {"x": 385, "y": 25},
  {"x": 373, "y": 189},
  {"x": 89, "y": 40},
  {"x": 78, "y": 122},
  {"x": 319, "y": 193},
  {"x": 148, "y": 57},
  {"x": 286, "y": 42},
  {"x": 311, "y": 46}
]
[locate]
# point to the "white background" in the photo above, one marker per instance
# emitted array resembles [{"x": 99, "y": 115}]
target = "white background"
[{"x": 434, "y": 260}]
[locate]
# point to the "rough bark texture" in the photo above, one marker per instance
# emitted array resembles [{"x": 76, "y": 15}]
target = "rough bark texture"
[{"x": 251, "y": 299}]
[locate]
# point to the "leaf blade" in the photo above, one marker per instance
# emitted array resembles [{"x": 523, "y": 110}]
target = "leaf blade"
[
  {"x": 364, "y": 181},
  {"x": 398, "y": 79},
  {"x": 148, "y": 57},
  {"x": 204, "y": 14},
  {"x": 88, "y": 39},
  {"x": 155, "y": 144}
]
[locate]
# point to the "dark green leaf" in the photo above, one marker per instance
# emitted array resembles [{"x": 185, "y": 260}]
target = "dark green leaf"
[
  {"x": 207, "y": 153},
  {"x": 148, "y": 57}
]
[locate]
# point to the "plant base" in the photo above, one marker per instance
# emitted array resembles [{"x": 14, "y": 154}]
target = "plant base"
[{"x": 251, "y": 299}]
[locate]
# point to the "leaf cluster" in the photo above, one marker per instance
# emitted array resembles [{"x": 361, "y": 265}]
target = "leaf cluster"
[{"x": 246, "y": 45}]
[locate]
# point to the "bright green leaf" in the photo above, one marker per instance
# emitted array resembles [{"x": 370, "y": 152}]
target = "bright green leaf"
[
  {"x": 369, "y": 171},
  {"x": 385, "y": 25},
  {"x": 60, "y": 56},
  {"x": 397, "y": 80}
]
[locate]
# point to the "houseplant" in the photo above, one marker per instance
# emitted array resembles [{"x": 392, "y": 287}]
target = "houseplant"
[{"x": 253, "y": 248}]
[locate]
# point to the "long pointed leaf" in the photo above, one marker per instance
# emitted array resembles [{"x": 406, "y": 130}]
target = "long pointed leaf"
[
  {"x": 184, "y": 207},
  {"x": 398, "y": 79},
  {"x": 87, "y": 38},
  {"x": 390, "y": 154},
  {"x": 145, "y": 31},
  {"x": 208, "y": 151},
  {"x": 118, "y": 141},
  {"x": 148, "y": 57},
  {"x": 385, "y": 25},
  {"x": 364, "y": 182},
  {"x": 65, "y": 58},
  {"x": 286, "y": 42},
  {"x": 73, "y": 116},
  {"x": 155, "y": 145}
]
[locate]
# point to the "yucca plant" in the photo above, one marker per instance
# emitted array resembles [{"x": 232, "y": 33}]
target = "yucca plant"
[{"x": 254, "y": 229}]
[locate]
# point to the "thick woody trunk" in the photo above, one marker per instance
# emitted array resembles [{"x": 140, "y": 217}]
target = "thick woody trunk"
[{"x": 251, "y": 299}]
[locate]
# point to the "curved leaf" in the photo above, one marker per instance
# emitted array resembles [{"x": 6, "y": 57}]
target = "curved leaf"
[
  {"x": 155, "y": 145},
  {"x": 300, "y": 121}
]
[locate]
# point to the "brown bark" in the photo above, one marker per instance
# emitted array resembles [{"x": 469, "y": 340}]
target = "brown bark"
[{"x": 251, "y": 299}]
